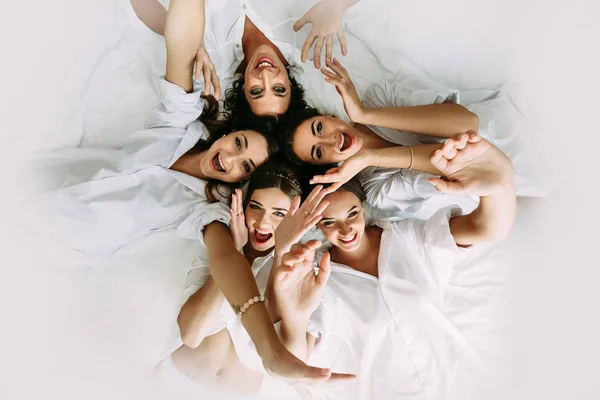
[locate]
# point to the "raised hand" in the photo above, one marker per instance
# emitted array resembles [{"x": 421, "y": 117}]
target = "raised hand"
[
  {"x": 326, "y": 18},
  {"x": 296, "y": 287},
  {"x": 205, "y": 67},
  {"x": 237, "y": 225},
  {"x": 339, "y": 175},
  {"x": 339, "y": 77},
  {"x": 472, "y": 165},
  {"x": 299, "y": 220}
]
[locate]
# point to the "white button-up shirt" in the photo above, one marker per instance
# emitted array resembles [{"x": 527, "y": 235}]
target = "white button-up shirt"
[
  {"x": 394, "y": 331},
  {"x": 97, "y": 200}
]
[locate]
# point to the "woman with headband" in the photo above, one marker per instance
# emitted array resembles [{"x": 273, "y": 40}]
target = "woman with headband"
[{"x": 214, "y": 349}]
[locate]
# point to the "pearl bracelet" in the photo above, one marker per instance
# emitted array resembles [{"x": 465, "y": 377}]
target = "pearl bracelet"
[{"x": 241, "y": 310}]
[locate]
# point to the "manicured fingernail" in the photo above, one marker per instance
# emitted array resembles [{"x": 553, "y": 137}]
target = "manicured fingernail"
[{"x": 325, "y": 372}]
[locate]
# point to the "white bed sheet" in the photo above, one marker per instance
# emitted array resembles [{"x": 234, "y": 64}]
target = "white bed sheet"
[{"x": 125, "y": 305}]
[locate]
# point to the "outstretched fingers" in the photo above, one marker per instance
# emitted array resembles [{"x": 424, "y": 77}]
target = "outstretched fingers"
[
  {"x": 343, "y": 44},
  {"x": 307, "y": 45},
  {"x": 294, "y": 206}
]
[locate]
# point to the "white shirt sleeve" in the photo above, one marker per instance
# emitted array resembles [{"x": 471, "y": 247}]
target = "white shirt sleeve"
[
  {"x": 203, "y": 214},
  {"x": 408, "y": 92},
  {"x": 434, "y": 244},
  {"x": 177, "y": 108},
  {"x": 394, "y": 189}
]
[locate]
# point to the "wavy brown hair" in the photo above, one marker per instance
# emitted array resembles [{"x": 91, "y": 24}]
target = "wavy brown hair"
[
  {"x": 275, "y": 174},
  {"x": 219, "y": 124},
  {"x": 237, "y": 107}
]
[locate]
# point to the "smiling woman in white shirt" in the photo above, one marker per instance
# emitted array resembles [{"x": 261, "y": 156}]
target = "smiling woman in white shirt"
[
  {"x": 253, "y": 41},
  {"x": 162, "y": 177},
  {"x": 395, "y": 335},
  {"x": 98, "y": 200},
  {"x": 212, "y": 348}
]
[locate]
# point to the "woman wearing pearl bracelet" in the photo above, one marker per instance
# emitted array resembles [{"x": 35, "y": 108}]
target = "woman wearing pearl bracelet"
[{"x": 262, "y": 227}]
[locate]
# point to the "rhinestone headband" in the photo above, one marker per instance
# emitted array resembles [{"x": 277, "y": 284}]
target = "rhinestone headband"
[{"x": 283, "y": 177}]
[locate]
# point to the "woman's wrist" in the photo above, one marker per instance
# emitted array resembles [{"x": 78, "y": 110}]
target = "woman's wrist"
[
  {"x": 364, "y": 116},
  {"x": 367, "y": 157},
  {"x": 259, "y": 326},
  {"x": 294, "y": 322},
  {"x": 281, "y": 249}
]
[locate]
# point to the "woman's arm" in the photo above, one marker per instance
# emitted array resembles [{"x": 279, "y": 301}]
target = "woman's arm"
[
  {"x": 295, "y": 337},
  {"x": 440, "y": 120},
  {"x": 476, "y": 167},
  {"x": 196, "y": 315},
  {"x": 191, "y": 32},
  {"x": 491, "y": 221},
  {"x": 151, "y": 13},
  {"x": 403, "y": 157},
  {"x": 413, "y": 157},
  {"x": 184, "y": 31},
  {"x": 232, "y": 273}
]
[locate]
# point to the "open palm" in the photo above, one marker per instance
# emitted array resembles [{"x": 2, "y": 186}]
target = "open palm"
[
  {"x": 297, "y": 288},
  {"x": 299, "y": 220},
  {"x": 472, "y": 165}
]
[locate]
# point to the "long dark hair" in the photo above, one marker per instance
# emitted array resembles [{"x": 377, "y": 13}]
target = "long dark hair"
[
  {"x": 219, "y": 125},
  {"x": 276, "y": 174},
  {"x": 287, "y": 128},
  {"x": 237, "y": 107}
]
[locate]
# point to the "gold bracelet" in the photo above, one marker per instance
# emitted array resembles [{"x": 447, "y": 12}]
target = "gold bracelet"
[{"x": 412, "y": 157}]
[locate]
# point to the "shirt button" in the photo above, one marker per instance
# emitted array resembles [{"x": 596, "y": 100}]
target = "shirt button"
[
  {"x": 244, "y": 6},
  {"x": 237, "y": 45}
]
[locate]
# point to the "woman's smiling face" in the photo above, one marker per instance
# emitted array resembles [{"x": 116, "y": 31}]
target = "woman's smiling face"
[
  {"x": 343, "y": 222},
  {"x": 267, "y": 87},
  {"x": 232, "y": 158},
  {"x": 264, "y": 212},
  {"x": 325, "y": 140}
]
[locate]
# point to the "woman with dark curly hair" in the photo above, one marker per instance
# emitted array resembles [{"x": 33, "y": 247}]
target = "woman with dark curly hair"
[
  {"x": 106, "y": 199},
  {"x": 255, "y": 38}
]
